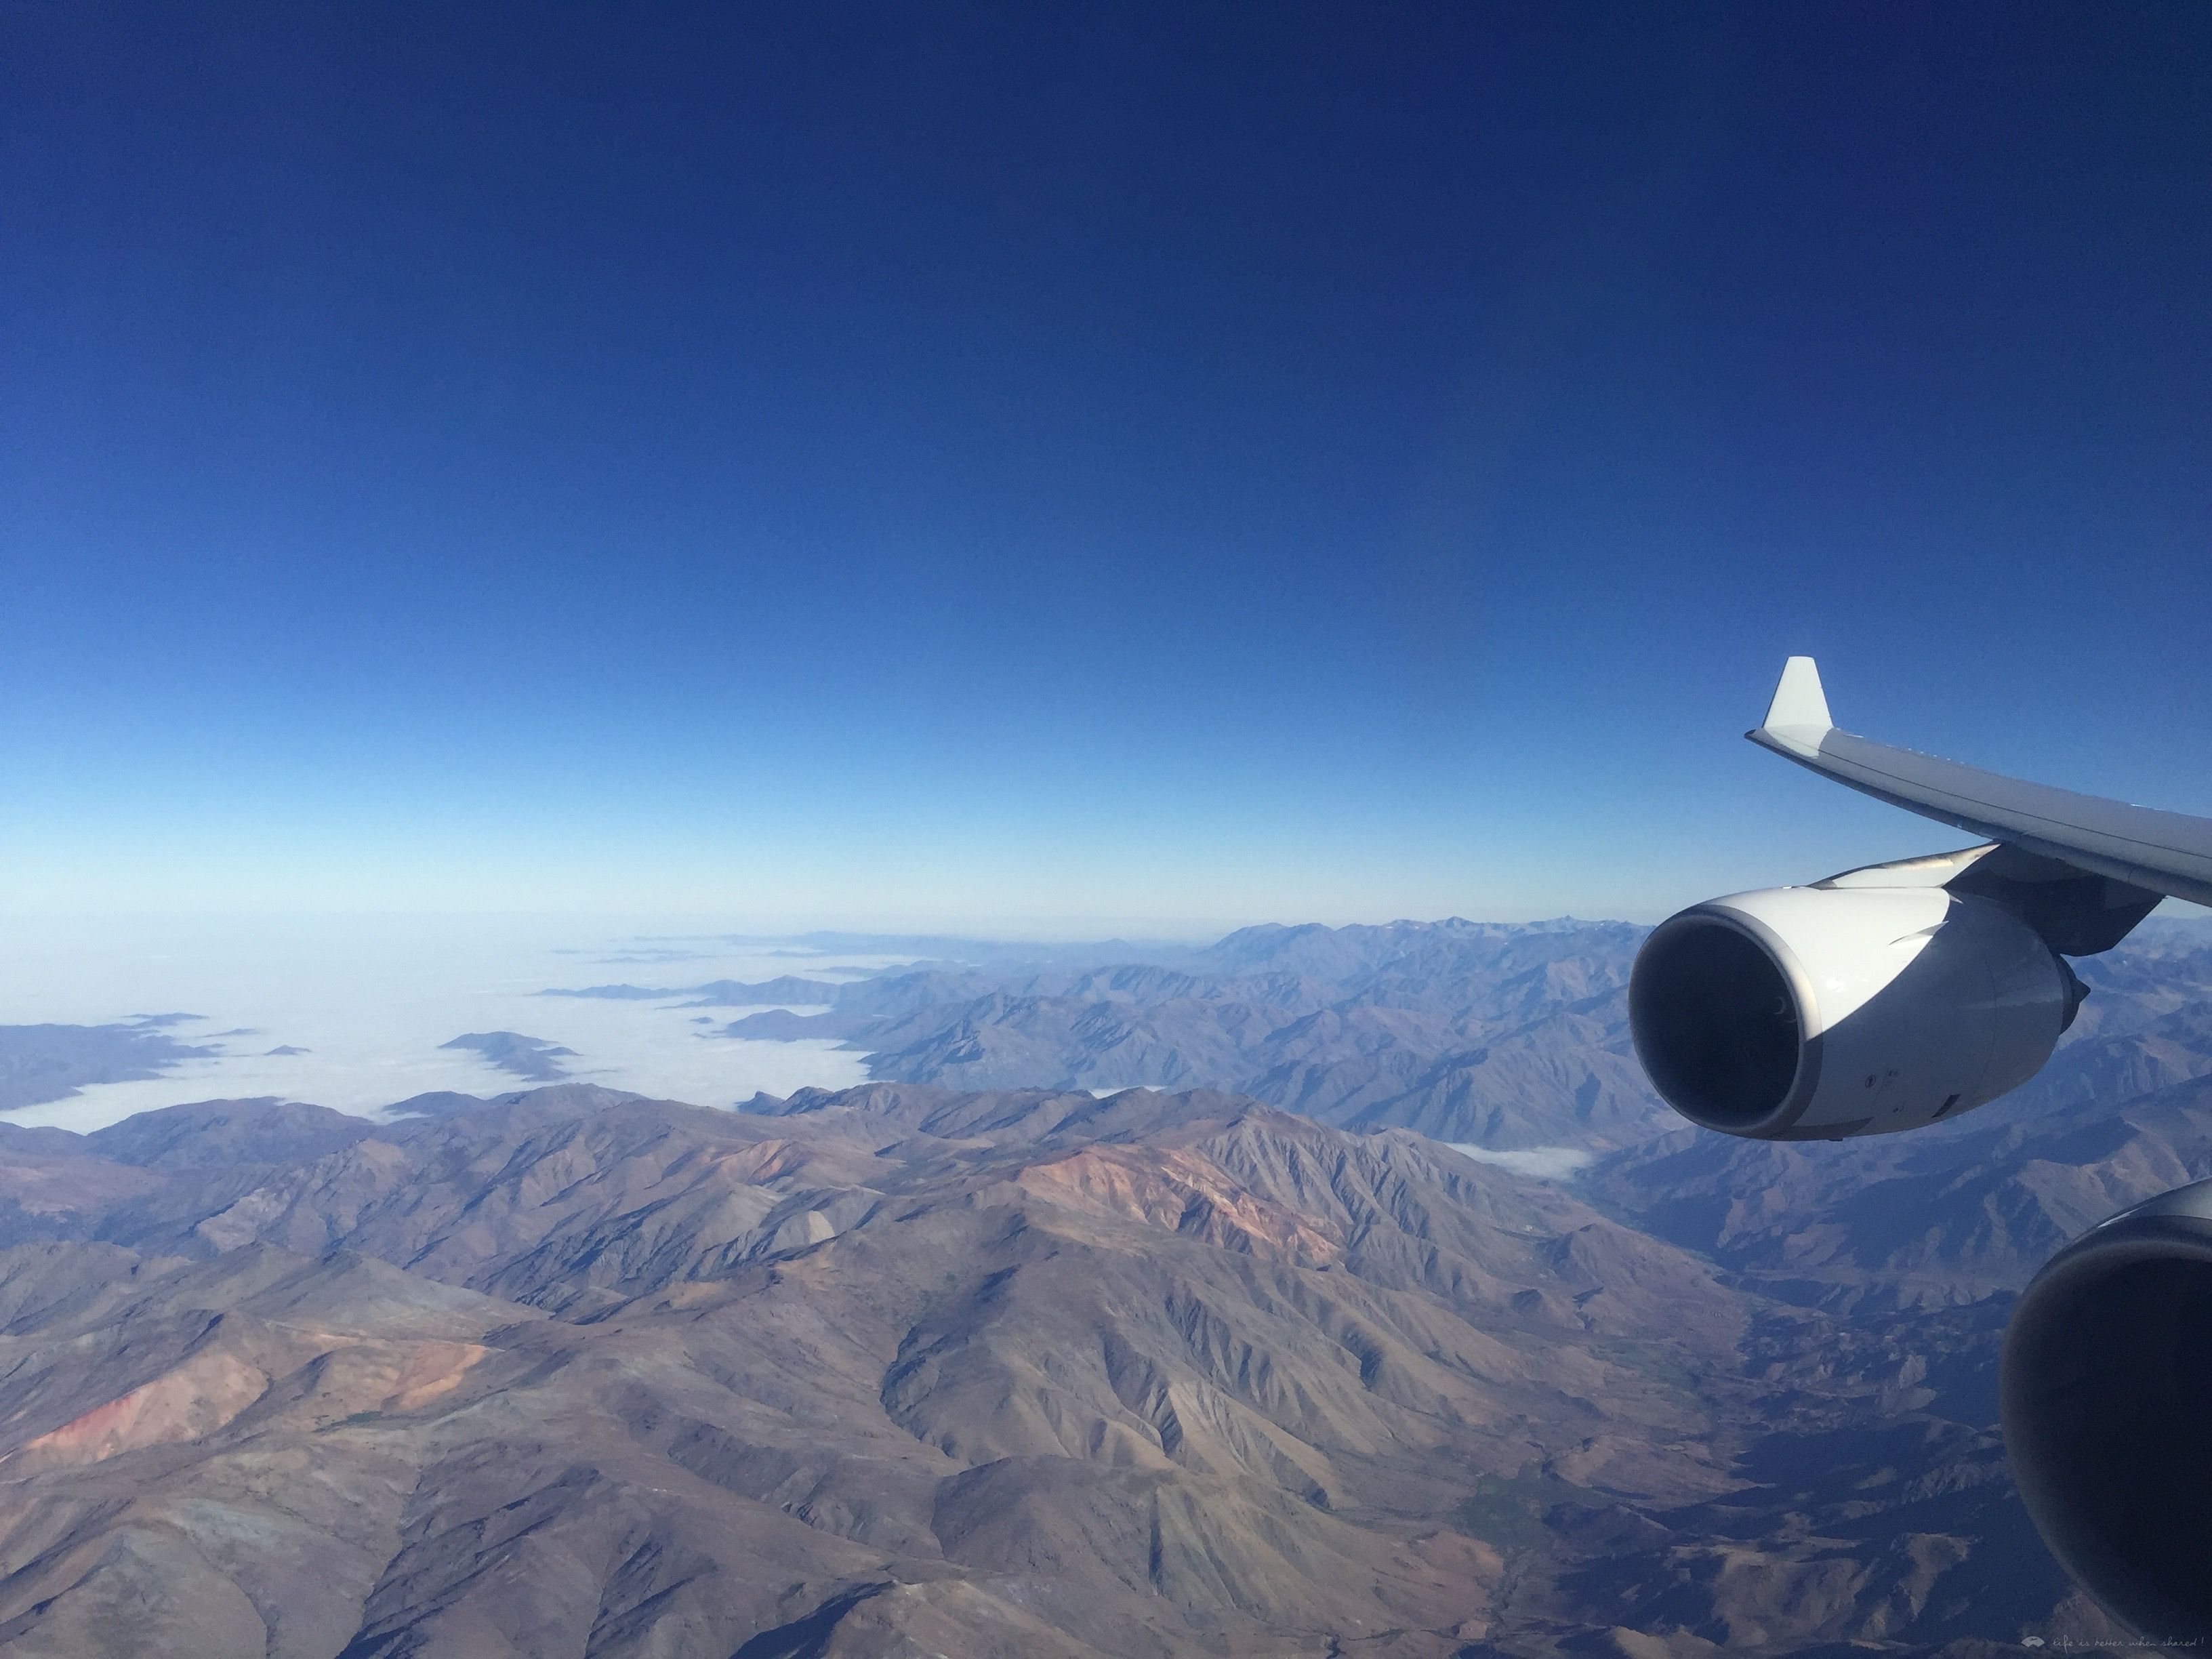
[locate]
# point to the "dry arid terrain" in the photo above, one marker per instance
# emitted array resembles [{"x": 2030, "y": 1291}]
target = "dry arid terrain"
[{"x": 907, "y": 1370}]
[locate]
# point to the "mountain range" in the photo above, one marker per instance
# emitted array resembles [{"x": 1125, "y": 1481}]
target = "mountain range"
[
  {"x": 1507, "y": 1036},
  {"x": 1063, "y": 1368},
  {"x": 996, "y": 1372}
]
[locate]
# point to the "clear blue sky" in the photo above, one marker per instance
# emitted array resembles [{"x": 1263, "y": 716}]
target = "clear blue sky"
[{"x": 1076, "y": 464}]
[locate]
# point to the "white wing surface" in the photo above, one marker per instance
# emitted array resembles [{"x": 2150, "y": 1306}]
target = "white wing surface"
[{"x": 2162, "y": 852}]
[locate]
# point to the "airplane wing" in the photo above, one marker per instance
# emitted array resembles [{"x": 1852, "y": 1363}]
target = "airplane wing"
[{"x": 2156, "y": 852}]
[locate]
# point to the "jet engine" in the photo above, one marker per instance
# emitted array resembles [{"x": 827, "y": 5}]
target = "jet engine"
[
  {"x": 1892, "y": 996},
  {"x": 1813, "y": 1013},
  {"x": 2106, "y": 1389}
]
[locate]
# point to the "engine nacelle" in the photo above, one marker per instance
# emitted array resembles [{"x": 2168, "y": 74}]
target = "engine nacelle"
[
  {"x": 1812, "y": 1013},
  {"x": 2104, "y": 1389}
]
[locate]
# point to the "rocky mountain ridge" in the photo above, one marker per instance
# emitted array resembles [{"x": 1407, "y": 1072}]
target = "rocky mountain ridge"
[
  {"x": 1014, "y": 1372},
  {"x": 1509, "y": 1036},
  {"x": 1066, "y": 1369}
]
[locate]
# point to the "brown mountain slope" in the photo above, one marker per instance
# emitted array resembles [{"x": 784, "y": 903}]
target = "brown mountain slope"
[
  {"x": 1968, "y": 1212},
  {"x": 1018, "y": 1374}
]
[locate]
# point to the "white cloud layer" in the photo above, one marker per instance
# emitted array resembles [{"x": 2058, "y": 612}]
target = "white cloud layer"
[
  {"x": 371, "y": 999},
  {"x": 1542, "y": 1163}
]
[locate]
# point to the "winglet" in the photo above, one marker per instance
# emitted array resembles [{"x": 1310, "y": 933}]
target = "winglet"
[{"x": 1797, "y": 719}]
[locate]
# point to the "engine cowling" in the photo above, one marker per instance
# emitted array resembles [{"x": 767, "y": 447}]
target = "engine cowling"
[
  {"x": 2106, "y": 1392},
  {"x": 1813, "y": 1013}
]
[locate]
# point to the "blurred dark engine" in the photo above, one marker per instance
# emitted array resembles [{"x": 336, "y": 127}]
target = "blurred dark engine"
[{"x": 2107, "y": 1403}]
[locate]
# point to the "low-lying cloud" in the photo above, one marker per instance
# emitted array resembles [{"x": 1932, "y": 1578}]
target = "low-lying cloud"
[
  {"x": 1541, "y": 1163},
  {"x": 354, "y": 1015}
]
